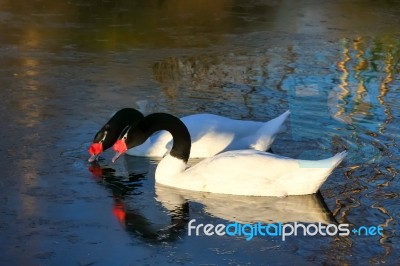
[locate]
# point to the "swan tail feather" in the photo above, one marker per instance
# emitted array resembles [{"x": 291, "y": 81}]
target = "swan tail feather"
[
  {"x": 323, "y": 168},
  {"x": 265, "y": 136},
  {"x": 312, "y": 174}
]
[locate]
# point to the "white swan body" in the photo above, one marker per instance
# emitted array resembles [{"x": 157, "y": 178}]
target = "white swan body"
[
  {"x": 212, "y": 134},
  {"x": 248, "y": 173},
  {"x": 242, "y": 172}
]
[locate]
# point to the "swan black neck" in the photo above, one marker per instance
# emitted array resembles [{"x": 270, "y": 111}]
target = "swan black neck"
[
  {"x": 110, "y": 132},
  {"x": 162, "y": 121}
]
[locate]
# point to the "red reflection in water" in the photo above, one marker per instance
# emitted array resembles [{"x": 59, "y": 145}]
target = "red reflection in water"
[
  {"x": 118, "y": 211},
  {"x": 96, "y": 171}
]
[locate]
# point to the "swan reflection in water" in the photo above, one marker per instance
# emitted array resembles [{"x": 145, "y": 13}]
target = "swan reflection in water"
[
  {"x": 134, "y": 205},
  {"x": 164, "y": 218},
  {"x": 248, "y": 209}
]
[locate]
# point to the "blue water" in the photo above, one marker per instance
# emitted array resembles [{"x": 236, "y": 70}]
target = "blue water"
[{"x": 66, "y": 67}]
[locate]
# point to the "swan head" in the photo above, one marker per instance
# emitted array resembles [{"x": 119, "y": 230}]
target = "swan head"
[
  {"x": 100, "y": 143},
  {"x": 109, "y": 133},
  {"x": 129, "y": 137}
]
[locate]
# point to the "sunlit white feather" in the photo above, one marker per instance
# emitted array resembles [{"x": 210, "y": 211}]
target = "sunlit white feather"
[{"x": 213, "y": 134}]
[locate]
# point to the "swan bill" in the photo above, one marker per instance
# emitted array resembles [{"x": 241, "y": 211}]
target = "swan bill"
[
  {"x": 93, "y": 158},
  {"x": 116, "y": 156}
]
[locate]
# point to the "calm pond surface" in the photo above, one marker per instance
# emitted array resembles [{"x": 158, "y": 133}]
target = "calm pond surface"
[{"x": 66, "y": 66}]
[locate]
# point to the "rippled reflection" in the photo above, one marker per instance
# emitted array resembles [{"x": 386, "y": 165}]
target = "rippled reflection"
[
  {"x": 364, "y": 87},
  {"x": 307, "y": 209},
  {"x": 131, "y": 204},
  {"x": 175, "y": 212}
]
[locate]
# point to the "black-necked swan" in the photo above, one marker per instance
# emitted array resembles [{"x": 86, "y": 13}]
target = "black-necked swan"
[
  {"x": 211, "y": 134},
  {"x": 240, "y": 172}
]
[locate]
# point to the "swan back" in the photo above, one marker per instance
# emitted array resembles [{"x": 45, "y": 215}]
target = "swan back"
[{"x": 255, "y": 173}]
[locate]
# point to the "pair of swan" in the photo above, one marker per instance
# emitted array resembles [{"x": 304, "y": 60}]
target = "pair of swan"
[{"x": 238, "y": 172}]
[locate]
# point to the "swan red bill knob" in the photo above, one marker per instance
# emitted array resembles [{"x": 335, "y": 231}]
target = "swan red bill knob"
[
  {"x": 120, "y": 146},
  {"x": 95, "y": 149}
]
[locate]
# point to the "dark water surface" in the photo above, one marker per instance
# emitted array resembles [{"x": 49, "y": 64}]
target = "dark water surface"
[{"x": 66, "y": 66}]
